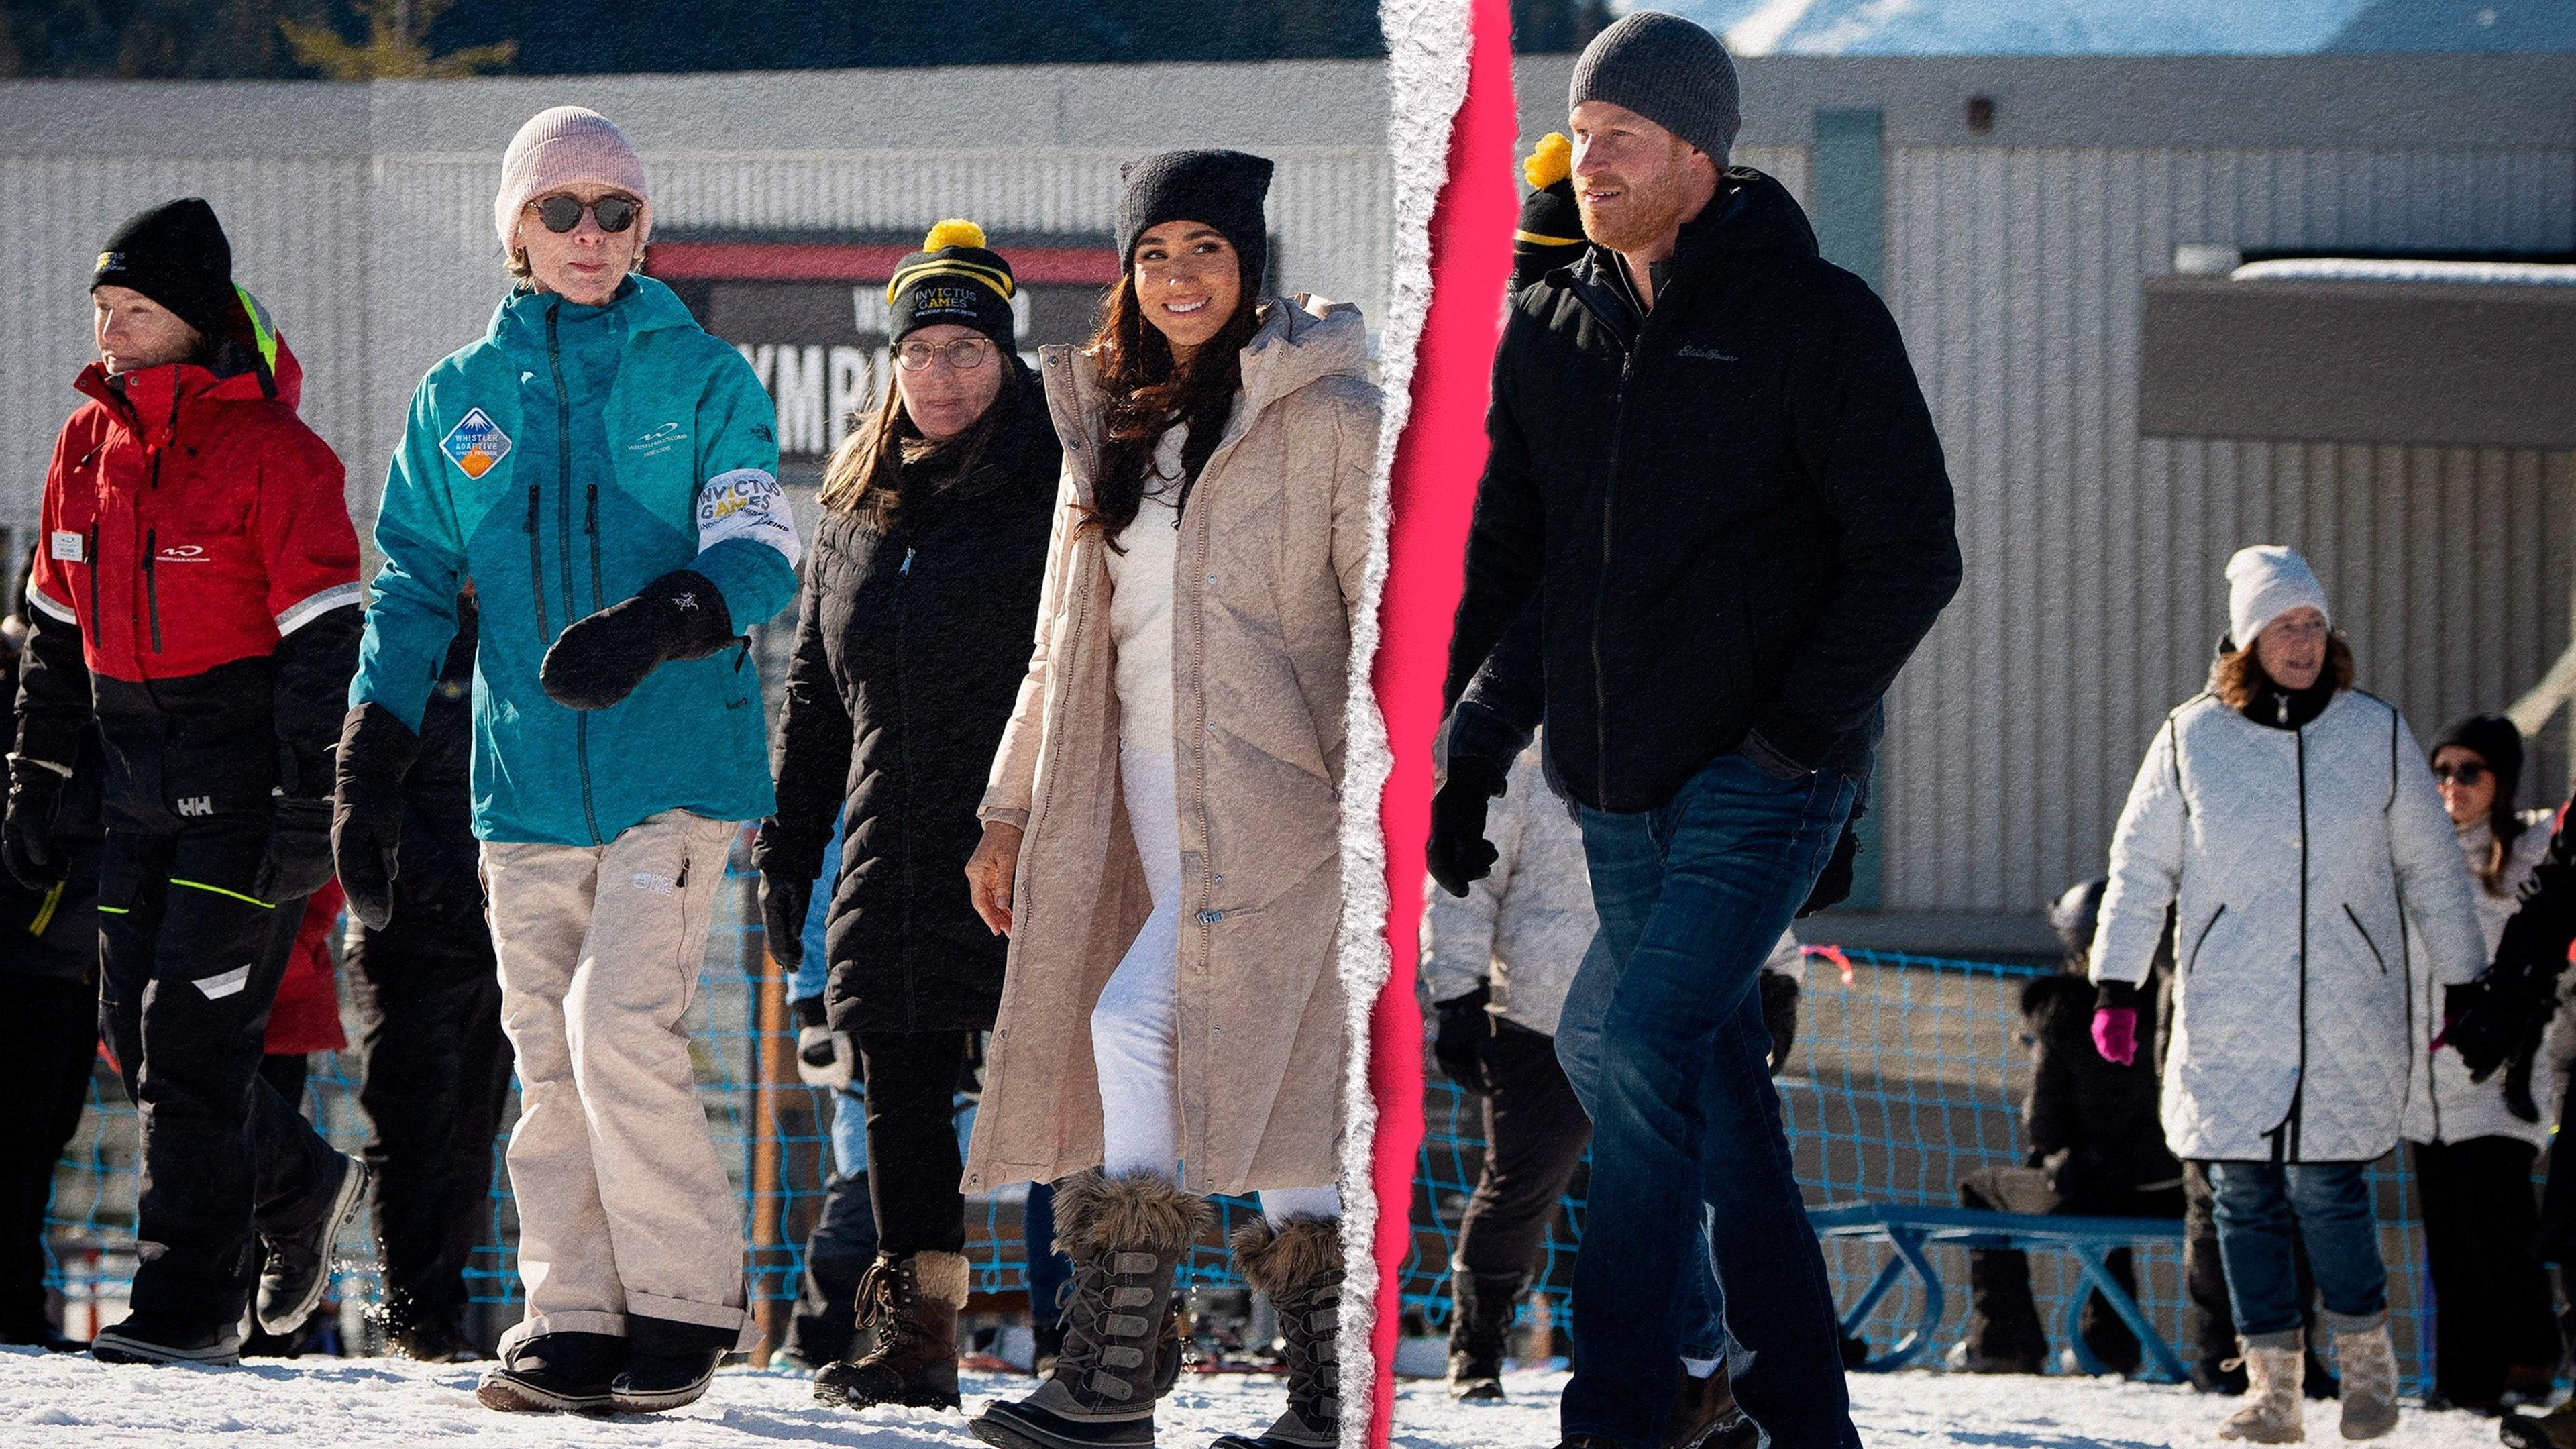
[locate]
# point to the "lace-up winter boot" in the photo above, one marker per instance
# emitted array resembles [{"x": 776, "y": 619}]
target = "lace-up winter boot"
[
  {"x": 1299, "y": 1269},
  {"x": 912, "y": 1303},
  {"x": 1126, "y": 1236},
  {"x": 2272, "y": 1411}
]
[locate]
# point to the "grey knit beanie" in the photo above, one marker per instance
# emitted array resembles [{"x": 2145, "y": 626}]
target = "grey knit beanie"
[{"x": 1667, "y": 70}]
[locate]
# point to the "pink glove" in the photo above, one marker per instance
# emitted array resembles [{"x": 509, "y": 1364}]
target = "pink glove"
[{"x": 2115, "y": 1034}]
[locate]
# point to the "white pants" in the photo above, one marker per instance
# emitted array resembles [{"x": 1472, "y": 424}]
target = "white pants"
[{"x": 1133, "y": 1028}]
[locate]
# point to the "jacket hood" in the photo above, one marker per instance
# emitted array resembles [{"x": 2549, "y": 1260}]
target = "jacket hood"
[
  {"x": 157, "y": 392},
  {"x": 1301, "y": 340},
  {"x": 642, "y": 303},
  {"x": 1751, "y": 214}
]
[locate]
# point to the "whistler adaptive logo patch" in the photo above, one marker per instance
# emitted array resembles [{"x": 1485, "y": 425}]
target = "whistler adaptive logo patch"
[{"x": 475, "y": 444}]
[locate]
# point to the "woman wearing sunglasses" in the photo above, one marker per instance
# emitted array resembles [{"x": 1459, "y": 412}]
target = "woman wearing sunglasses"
[
  {"x": 605, "y": 473},
  {"x": 2473, "y": 1142},
  {"x": 910, "y": 644},
  {"x": 1162, "y": 833},
  {"x": 2282, "y": 818}
]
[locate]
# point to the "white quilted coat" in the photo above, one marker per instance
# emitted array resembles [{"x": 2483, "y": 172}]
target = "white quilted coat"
[
  {"x": 2442, "y": 1104},
  {"x": 2295, "y": 861}
]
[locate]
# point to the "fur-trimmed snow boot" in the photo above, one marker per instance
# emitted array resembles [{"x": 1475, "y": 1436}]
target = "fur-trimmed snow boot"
[
  {"x": 2367, "y": 1364},
  {"x": 1298, "y": 1267},
  {"x": 2272, "y": 1411},
  {"x": 1126, "y": 1236},
  {"x": 1481, "y": 1306},
  {"x": 912, "y": 1303}
]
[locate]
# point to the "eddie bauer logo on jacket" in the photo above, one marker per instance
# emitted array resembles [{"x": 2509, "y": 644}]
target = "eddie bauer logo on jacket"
[{"x": 475, "y": 444}]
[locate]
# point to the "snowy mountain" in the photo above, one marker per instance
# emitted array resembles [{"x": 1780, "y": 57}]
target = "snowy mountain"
[{"x": 2128, "y": 27}]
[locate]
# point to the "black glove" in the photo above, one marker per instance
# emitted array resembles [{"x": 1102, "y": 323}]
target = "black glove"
[
  {"x": 2486, "y": 1022},
  {"x": 1466, "y": 1031},
  {"x": 1834, "y": 885},
  {"x": 2517, "y": 1080},
  {"x": 376, "y": 751},
  {"x": 1458, "y": 853},
  {"x": 783, "y": 899},
  {"x": 27, "y": 838},
  {"x": 298, "y": 858},
  {"x": 600, "y": 659}
]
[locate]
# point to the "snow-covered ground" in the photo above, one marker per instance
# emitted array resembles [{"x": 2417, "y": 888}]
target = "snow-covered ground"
[
  {"x": 314, "y": 1403},
  {"x": 1938, "y": 1411}
]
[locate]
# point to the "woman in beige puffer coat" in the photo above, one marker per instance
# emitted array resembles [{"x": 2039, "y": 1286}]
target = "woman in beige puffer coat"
[{"x": 1162, "y": 831}]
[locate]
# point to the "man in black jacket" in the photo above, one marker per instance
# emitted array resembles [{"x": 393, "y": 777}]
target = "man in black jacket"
[{"x": 1713, "y": 471}]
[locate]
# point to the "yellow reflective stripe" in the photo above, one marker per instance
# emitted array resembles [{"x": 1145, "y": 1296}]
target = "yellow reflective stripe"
[
  {"x": 45, "y": 912},
  {"x": 219, "y": 890},
  {"x": 114, "y": 911},
  {"x": 263, "y": 332},
  {"x": 1538, "y": 239},
  {"x": 998, "y": 280}
]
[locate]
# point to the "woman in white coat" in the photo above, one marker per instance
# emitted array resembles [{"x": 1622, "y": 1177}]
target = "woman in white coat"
[
  {"x": 2473, "y": 1143},
  {"x": 2289, "y": 821}
]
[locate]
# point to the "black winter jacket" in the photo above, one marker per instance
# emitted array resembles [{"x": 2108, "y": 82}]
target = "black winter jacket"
[
  {"x": 910, "y": 648},
  {"x": 438, "y": 893},
  {"x": 2093, "y": 1124},
  {"x": 1734, "y": 511}
]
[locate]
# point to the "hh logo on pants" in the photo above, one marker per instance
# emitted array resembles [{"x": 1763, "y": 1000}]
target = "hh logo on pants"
[{"x": 192, "y": 805}]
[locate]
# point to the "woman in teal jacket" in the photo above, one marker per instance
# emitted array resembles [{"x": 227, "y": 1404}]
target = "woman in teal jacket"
[{"x": 604, "y": 471}]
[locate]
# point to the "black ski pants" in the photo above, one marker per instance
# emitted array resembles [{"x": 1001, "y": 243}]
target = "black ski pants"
[
  {"x": 44, "y": 1078},
  {"x": 189, "y": 963}
]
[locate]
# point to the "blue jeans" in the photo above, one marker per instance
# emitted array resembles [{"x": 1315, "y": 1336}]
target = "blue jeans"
[
  {"x": 2255, "y": 1202},
  {"x": 1689, "y": 1162},
  {"x": 1702, "y": 1302}
]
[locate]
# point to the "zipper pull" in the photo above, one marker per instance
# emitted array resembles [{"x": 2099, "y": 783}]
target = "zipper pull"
[
  {"x": 593, "y": 517},
  {"x": 906, "y": 569}
]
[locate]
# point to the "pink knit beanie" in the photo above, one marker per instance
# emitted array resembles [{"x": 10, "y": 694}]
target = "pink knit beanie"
[{"x": 563, "y": 147}]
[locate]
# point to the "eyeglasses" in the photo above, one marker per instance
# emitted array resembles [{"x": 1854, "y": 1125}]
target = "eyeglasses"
[
  {"x": 562, "y": 211},
  {"x": 964, "y": 354},
  {"x": 2459, "y": 774}
]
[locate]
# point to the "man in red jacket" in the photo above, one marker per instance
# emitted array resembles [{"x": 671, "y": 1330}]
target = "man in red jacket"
[{"x": 196, "y": 596}]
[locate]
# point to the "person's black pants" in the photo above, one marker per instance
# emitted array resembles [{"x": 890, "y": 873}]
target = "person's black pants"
[
  {"x": 913, "y": 1164},
  {"x": 44, "y": 1079},
  {"x": 2492, "y": 1307},
  {"x": 837, "y": 1255},
  {"x": 435, "y": 1078},
  {"x": 189, "y": 963},
  {"x": 1535, "y": 1133},
  {"x": 2004, "y": 1330}
]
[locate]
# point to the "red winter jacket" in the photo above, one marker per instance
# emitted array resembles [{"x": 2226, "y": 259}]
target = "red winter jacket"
[{"x": 196, "y": 589}]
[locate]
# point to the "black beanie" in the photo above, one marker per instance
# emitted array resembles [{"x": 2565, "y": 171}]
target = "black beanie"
[
  {"x": 1668, "y": 70},
  {"x": 1550, "y": 234},
  {"x": 953, "y": 278},
  {"x": 176, "y": 255},
  {"x": 1222, "y": 189},
  {"x": 2495, "y": 740}
]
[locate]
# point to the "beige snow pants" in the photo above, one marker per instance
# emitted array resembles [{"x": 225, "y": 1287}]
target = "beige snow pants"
[{"x": 624, "y": 1207}]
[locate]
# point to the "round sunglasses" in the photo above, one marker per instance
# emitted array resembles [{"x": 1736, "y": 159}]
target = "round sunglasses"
[{"x": 562, "y": 211}]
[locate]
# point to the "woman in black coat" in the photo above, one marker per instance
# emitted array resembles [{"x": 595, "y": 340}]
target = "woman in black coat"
[{"x": 911, "y": 641}]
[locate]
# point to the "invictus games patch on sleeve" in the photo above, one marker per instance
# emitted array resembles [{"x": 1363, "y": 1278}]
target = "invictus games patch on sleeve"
[
  {"x": 475, "y": 444},
  {"x": 746, "y": 503}
]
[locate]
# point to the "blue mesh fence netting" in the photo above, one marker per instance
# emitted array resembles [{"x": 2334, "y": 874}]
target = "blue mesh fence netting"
[{"x": 1906, "y": 1075}]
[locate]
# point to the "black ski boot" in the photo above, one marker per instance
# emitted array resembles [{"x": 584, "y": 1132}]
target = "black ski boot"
[
  {"x": 156, "y": 1338},
  {"x": 1481, "y": 1307},
  {"x": 555, "y": 1373}
]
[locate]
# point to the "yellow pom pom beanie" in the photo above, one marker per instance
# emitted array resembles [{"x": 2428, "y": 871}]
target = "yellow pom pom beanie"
[{"x": 953, "y": 278}]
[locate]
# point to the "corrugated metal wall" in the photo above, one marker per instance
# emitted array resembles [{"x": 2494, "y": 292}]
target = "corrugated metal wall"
[
  {"x": 2093, "y": 591},
  {"x": 369, "y": 233}
]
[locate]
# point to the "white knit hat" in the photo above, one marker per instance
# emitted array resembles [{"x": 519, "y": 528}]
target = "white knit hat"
[
  {"x": 2263, "y": 583},
  {"x": 563, "y": 147}
]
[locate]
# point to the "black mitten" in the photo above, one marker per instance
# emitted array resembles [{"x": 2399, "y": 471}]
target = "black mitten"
[
  {"x": 376, "y": 751},
  {"x": 600, "y": 659},
  {"x": 1458, "y": 853}
]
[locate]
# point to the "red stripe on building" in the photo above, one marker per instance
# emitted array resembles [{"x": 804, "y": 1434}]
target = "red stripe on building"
[{"x": 749, "y": 261}]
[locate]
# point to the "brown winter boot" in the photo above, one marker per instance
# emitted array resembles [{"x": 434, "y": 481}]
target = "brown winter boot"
[
  {"x": 2272, "y": 1411},
  {"x": 912, "y": 1303},
  {"x": 2553, "y": 1430},
  {"x": 1299, "y": 1269},
  {"x": 1706, "y": 1416},
  {"x": 2368, "y": 1367},
  {"x": 1126, "y": 1236}
]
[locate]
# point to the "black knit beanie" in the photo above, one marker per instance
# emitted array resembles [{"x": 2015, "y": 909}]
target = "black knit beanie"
[
  {"x": 953, "y": 278},
  {"x": 176, "y": 255},
  {"x": 1667, "y": 70},
  {"x": 2497, "y": 741},
  {"x": 1550, "y": 234},
  {"x": 1222, "y": 189}
]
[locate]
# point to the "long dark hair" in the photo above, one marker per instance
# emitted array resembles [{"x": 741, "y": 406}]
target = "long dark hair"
[
  {"x": 1147, "y": 394},
  {"x": 866, "y": 474}
]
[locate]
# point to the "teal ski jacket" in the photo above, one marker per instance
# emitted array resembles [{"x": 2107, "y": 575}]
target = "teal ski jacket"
[{"x": 567, "y": 459}]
